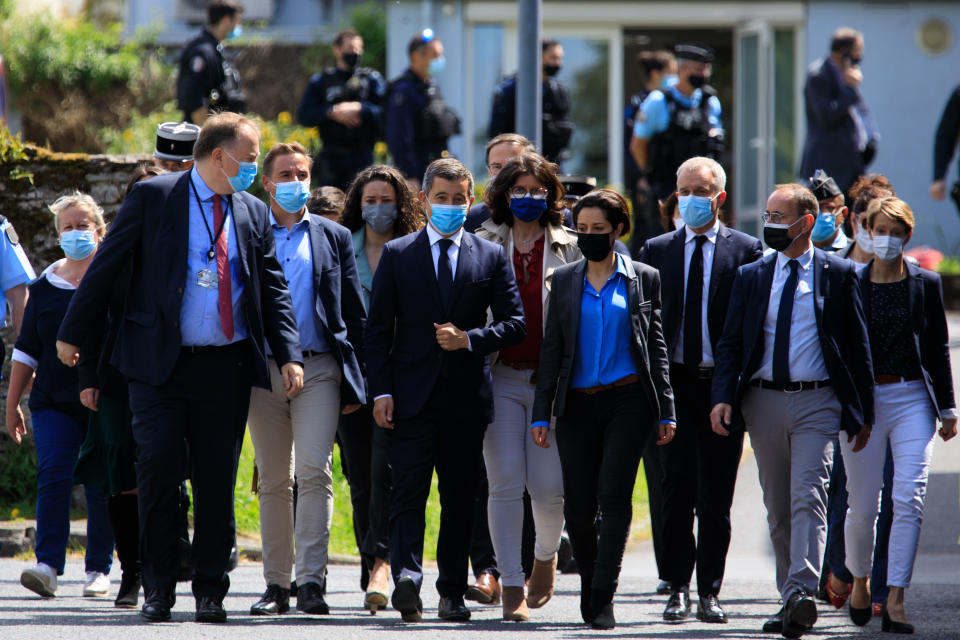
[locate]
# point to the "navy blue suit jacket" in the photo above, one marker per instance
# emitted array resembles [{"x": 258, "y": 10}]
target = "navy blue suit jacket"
[
  {"x": 930, "y": 336},
  {"x": 339, "y": 302},
  {"x": 150, "y": 231},
  {"x": 842, "y": 329},
  {"x": 402, "y": 354},
  {"x": 666, "y": 253}
]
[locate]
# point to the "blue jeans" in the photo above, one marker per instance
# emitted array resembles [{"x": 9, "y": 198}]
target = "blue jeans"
[
  {"x": 58, "y": 437},
  {"x": 835, "y": 555}
]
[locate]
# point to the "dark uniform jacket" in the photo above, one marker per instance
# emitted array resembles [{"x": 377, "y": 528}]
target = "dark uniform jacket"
[
  {"x": 207, "y": 79},
  {"x": 557, "y": 128},
  {"x": 325, "y": 90}
]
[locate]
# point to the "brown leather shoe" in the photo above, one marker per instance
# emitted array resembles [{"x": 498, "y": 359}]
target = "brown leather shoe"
[
  {"x": 540, "y": 586},
  {"x": 486, "y": 590},
  {"x": 514, "y": 607}
]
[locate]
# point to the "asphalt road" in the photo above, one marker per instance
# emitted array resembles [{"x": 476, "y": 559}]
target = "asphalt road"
[{"x": 749, "y": 593}]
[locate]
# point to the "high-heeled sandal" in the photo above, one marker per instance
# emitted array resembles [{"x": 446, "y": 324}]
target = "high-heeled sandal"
[
  {"x": 837, "y": 599},
  {"x": 894, "y": 626}
]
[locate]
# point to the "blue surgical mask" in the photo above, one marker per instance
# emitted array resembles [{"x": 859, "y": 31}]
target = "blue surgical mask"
[
  {"x": 437, "y": 65},
  {"x": 291, "y": 196},
  {"x": 78, "y": 244},
  {"x": 696, "y": 211},
  {"x": 236, "y": 33},
  {"x": 245, "y": 174},
  {"x": 447, "y": 218},
  {"x": 527, "y": 208},
  {"x": 824, "y": 227},
  {"x": 668, "y": 81}
]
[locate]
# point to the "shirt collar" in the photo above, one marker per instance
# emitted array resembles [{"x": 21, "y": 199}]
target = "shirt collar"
[
  {"x": 301, "y": 222},
  {"x": 205, "y": 192},
  {"x": 435, "y": 237},
  {"x": 805, "y": 259},
  {"x": 711, "y": 233}
]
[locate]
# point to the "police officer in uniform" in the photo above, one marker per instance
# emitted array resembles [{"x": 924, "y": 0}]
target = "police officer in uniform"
[
  {"x": 419, "y": 121},
  {"x": 679, "y": 123},
  {"x": 207, "y": 81},
  {"x": 557, "y": 128},
  {"x": 344, "y": 103},
  {"x": 15, "y": 273},
  {"x": 174, "y": 148}
]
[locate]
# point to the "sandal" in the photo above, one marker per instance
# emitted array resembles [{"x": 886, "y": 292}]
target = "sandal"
[{"x": 837, "y": 599}]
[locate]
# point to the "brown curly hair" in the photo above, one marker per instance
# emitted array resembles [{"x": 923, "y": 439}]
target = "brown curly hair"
[
  {"x": 409, "y": 212},
  {"x": 497, "y": 197},
  {"x": 868, "y": 188}
]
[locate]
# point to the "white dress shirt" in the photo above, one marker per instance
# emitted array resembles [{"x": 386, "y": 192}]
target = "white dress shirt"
[
  {"x": 453, "y": 252},
  {"x": 806, "y": 357},
  {"x": 689, "y": 246}
]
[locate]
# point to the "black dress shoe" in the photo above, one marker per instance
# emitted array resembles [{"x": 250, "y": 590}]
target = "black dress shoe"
[
  {"x": 210, "y": 609},
  {"x": 310, "y": 599},
  {"x": 678, "y": 606},
  {"x": 799, "y": 614},
  {"x": 129, "y": 592},
  {"x": 275, "y": 600},
  {"x": 603, "y": 619},
  {"x": 156, "y": 607},
  {"x": 710, "y": 610},
  {"x": 453, "y": 609},
  {"x": 775, "y": 623},
  {"x": 406, "y": 600},
  {"x": 663, "y": 588},
  {"x": 894, "y": 626}
]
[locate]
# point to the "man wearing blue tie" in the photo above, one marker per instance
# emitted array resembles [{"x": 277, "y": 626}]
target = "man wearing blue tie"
[
  {"x": 206, "y": 291},
  {"x": 427, "y": 343},
  {"x": 793, "y": 367}
]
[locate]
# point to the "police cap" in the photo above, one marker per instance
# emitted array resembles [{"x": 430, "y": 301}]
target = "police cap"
[
  {"x": 695, "y": 52},
  {"x": 175, "y": 141},
  {"x": 823, "y": 186},
  {"x": 578, "y": 185}
]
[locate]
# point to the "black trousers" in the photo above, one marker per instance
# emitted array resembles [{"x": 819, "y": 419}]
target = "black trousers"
[
  {"x": 339, "y": 169},
  {"x": 363, "y": 452},
  {"x": 653, "y": 472},
  {"x": 435, "y": 438},
  {"x": 601, "y": 438},
  {"x": 700, "y": 472},
  {"x": 205, "y": 400}
]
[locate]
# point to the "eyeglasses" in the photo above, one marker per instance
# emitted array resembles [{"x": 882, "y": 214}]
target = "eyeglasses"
[
  {"x": 539, "y": 193},
  {"x": 775, "y": 217}
]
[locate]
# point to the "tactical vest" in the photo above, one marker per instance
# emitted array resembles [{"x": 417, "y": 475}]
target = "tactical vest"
[{"x": 686, "y": 136}]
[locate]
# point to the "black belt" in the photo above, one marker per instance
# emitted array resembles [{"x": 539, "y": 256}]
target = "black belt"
[
  {"x": 791, "y": 387},
  {"x": 701, "y": 373},
  {"x": 308, "y": 354}
]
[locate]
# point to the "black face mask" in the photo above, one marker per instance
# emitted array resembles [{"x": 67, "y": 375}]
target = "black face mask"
[
  {"x": 351, "y": 59},
  {"x": 697, "y": 81},
  {"x": 551, "y": 69},
  {"x": 595, "y": 246},
  {"x": 777, "y": 236}
]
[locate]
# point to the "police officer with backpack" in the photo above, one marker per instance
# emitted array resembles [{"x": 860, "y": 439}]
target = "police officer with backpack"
[{"x": 679, "y": 122}]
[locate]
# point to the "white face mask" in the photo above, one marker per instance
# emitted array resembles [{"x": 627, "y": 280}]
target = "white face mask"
[
  {"x": 864, "y": 240},
  {"x": 887, "y": 248}
]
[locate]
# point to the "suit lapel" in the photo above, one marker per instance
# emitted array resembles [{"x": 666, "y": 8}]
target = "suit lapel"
[
  {"x": 576, "y": 295},
  {"x": 767, "y": 270},
  {"x": 821, "y": 285},
  {"x": 317, "y": 242},
  {"x": 464, "y": 261},
  {"x": 915, "y": 293},
  {"x": 721, "y": 258},
  {"x": 633, "y": 302},
  {"x": 865, "y": 290},
  {"x": 241, "y": 221},
  {"x": 180, "y": 200}
]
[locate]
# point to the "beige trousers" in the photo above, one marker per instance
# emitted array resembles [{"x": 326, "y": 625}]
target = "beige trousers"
[{"x": 295, "y": 436}]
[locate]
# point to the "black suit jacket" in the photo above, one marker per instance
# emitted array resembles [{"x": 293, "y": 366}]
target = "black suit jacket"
[
  {"x": 402, "y": 355},
  {"x": 561, "y": 340},
  {"x": 930, "y": 337},
  {"x": 666, "y": 254},
  {"x": 842, "y": 329},
  {"x": 151, "y": 232},
  {"x": 339, "y": 302}
]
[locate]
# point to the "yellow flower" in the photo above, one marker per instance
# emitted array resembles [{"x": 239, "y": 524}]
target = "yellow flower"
[
  {"x": 128, "y": 135},
  {"x": 14, "y": 513},
  {"x": 284, "y": 118},
  {"x": 380, "y": 148}
]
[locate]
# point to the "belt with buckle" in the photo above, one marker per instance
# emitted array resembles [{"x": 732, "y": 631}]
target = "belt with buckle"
[
  {"x": 622, "y": 382},
  {"x": 886, "y": 378},
  {"x": 700, "y": 373},
  {"x": 791, "y": 387}
]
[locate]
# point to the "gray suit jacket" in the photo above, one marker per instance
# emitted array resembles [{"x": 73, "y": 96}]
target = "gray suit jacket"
[{"x": 560, "y": 340}]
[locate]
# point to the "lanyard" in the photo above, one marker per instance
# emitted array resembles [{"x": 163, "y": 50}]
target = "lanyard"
[{"x": 211, "y": 253}]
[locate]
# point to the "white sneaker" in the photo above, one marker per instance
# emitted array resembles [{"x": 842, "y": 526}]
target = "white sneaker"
[
  {"x": 41, "y": 579},
  {"x": 97, "y": 586}
]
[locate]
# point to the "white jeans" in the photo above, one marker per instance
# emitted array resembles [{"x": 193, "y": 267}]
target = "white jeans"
[
  {"x": 514, "y": 461},
  {"x": 905, "y": 417},
  {"x": 296, "y": 435}
]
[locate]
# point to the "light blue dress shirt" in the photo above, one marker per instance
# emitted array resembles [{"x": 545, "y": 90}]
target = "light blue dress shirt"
[
  {"x": 296, "y": 259},
  {"x": 364, "y": 272},
  {"x": 15, "y": 269},
  {"x": 199, "y": 308},
  {"x": 654, "y": 114}
]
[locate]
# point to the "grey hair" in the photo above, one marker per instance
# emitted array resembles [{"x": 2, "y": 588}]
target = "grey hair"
[
  {"x": 82, "y": 201},
  {"x": 448, "y": 169},
  {"x": 698, "y": 162}
]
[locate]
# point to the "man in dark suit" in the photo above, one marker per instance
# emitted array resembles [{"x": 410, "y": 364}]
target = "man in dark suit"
[
  {"x": 427, "y": 343},
  {"x": 205, "y": 291},
  {"x": 697, "y": 264},
  {"x": 296, "y": 436},
  {"x": 793, "y": 367},
  {"x": 841, "y": 134}
]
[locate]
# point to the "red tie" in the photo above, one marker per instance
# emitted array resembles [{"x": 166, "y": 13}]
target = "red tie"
[{"x": 223, "y": 272}]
